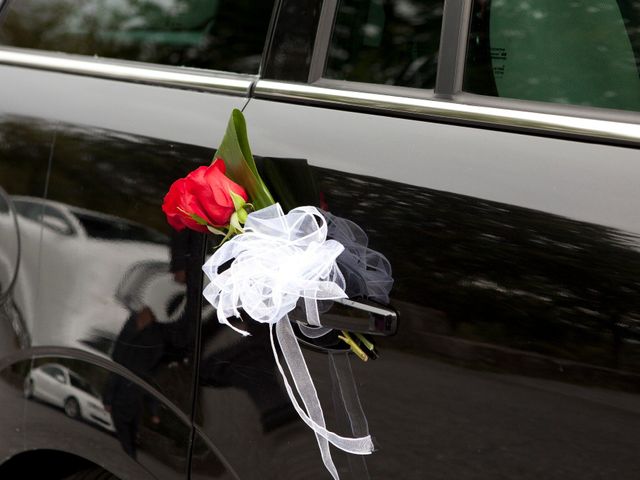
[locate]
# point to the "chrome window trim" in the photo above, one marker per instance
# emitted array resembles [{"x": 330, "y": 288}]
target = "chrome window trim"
[
  {"x": 586, "y": 128},
  {"x": 167, "y": 76}
]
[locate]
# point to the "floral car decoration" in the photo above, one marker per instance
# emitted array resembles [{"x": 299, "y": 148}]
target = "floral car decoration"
[{"x": 269, "y": 262}]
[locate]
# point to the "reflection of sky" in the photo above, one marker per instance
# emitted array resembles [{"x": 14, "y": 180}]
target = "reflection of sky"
[
  {"x": 583, "y": 181},
  {"x": 184, "y": 116}
]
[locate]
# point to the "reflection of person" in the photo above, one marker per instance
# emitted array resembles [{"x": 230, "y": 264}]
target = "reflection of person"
[
  {"x": 140, "y": 346},
  {"x": 248, "y": 365},
  {"x": 180, "y": 251}
]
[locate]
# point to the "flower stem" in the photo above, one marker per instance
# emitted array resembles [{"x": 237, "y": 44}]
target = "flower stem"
[{"x": 355, "y": 348}]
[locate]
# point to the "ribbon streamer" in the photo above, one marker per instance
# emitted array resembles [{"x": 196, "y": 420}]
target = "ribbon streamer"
[
  {"x": 278, "y": 260},
  {"x": 347, "y": 400}
]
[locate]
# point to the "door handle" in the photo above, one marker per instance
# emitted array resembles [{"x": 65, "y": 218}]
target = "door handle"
[{"x": 358, "y": 316}]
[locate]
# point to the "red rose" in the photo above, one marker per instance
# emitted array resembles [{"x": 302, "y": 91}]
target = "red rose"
[{"x": 203, "y": 196}]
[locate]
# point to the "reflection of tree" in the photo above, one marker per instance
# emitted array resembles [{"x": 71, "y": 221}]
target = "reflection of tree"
[
  {"x": 99, "y": 170},
  {"x": 112, "y": 170},
  {"x": 24, "y": 151},
  {"x": 385, "y": 41},
  {"x": 504, "y": 274}
]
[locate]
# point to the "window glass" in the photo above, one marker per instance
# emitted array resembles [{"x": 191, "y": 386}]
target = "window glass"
[
  {"x": 81, "y": 384},
  {"x": 391, "y": 42},
  {"x": 219, "y": 34},
  {"x": 53, "y": 371},
  {"x": 113, "y": 228},
  {"x": 580, "y": 52},
  {"x": 55, "y": 220},
  {"x": 47, "y": 215},
  {"x": 30, "y": 210}
]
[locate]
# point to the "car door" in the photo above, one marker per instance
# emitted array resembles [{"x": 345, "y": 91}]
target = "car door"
[{"x": 509, "y": 216}]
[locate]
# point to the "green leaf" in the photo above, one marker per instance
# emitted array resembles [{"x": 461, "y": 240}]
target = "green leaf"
[
  {"x": 234, "y": 223},
  {"x": 198, "y": 219},
  {"x": 229, "y": 234},
  {"x": 215, "y": 230},
  {"x": 238, "y": 201},
  {"x": 241, "y": 167},
  {"x": 242, "y": 216}
]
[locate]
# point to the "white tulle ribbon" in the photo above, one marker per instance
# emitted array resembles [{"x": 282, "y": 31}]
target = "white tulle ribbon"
[{"x": 264, "y": 272}]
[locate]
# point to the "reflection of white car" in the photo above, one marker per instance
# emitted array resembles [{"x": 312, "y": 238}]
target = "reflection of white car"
[
  {"x": 59, "y": 386},
  {"x": 92, "y": 252}
]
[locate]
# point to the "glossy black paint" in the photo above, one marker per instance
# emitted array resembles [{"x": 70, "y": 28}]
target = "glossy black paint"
[
  {"x": 501, "y": 274},
  {"x": 91, "y": 243},
  {"x": 57, "y": 415},
  {"x": 88, "y": 266},
  {"x": 28, "y": 177},
  {"x": 516, "y": 326},
  {"x": 518, "y": 340}
]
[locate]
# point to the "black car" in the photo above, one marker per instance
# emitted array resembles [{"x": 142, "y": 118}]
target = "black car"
[{"x": 488, "y": 148}]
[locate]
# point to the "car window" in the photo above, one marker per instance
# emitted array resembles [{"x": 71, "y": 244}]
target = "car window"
[
  {"x": 106, "y": 228},
  {"x": 28, "y": 209},
  {"x": 583, "y": 52},
  {"x": 47, "y": 215},
  {"x": 218, "y": 34},
  {"x": 54, "y": 220},
  {"x": 392, "y": 42},
  {"x": 52, "y": 371},
  {"x": 82, "y": 384}
]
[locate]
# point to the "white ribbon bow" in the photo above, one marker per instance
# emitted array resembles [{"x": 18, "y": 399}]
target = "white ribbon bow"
[{"x": 278, "y": 260}]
